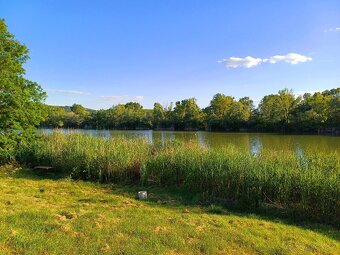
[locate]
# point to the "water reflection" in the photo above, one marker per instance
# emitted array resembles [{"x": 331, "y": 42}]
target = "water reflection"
[
  {"x": 255, "y": 145},
  {"x": 252, "y": 142}
]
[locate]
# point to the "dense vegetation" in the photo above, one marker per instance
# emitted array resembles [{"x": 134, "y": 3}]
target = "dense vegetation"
[
  {"x": 21, "y": 107},
  {"x": 307, "y": 184},
  {"x": 279, "y": 112}
]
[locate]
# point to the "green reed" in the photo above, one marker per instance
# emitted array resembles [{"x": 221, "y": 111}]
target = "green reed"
[
  {"x": 89, "y": 157},
  {"x": 308, "y": 183}
]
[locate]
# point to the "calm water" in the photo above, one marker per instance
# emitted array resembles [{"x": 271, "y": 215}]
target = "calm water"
[{"x": 248, "y": 141}]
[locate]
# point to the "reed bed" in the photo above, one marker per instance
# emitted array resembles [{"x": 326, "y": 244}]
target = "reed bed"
[
  {"x": 308, "y": 183},
  {"x": 88, "y": 157}
]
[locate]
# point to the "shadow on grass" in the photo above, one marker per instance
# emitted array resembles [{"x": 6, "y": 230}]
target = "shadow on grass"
[
  {"x": 181, "y": 199},
  {"x": 176, "y": 198},
  {"x": 38, "y": 174}
]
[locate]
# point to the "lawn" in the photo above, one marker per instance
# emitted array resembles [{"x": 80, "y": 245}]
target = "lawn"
[{"x": 50, "y": 214}]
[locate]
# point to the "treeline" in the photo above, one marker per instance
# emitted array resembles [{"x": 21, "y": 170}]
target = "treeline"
[{"x": 276, "y": 112}]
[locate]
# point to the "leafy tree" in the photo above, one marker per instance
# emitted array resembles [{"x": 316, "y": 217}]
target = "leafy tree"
[
  {"x": 226, "y": 113},
  {"x": 220, "y": 105},
  {"x": 79, "y": 115},
  {"x": 334, "y": 117},
  {"x": 79, "y": 109},
  {"x": 216, "y": 112},
  {"x": 55, "y": 118},
  {"x": 128, "y": 116},
  {"x": 187, "y": 114},
  {"x": 276, "y": 110},
  {"x": 99, "y": 120},
  {"x": 248, "y": 103},
  {"x": 237, "y": 115},
  {"x": 314, "y": 111},
  {"x": 158, "y": 115},
  {"x": 287, "y": 104},
  {"x": 21, "y": 107},
  {"x": 281, "y": 111}
]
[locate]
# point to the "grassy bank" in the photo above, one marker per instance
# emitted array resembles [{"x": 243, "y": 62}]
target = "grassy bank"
[
  {"x": 305, "y": 185},
  {"x": 48, "y": 214}
]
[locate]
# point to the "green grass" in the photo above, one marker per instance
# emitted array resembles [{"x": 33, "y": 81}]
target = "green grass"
[
  {"x": 43, "y": 213},
  {"x": 303, "y": 186}
]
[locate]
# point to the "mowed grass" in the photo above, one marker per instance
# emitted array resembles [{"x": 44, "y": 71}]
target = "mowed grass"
[{"x": 44, "y": 214}]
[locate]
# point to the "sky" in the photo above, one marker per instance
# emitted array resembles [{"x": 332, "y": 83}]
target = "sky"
[{"x": 102, "y": 53}]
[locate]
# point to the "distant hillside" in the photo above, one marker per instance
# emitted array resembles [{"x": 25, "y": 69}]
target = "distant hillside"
[{"x": 68, "y": 108}]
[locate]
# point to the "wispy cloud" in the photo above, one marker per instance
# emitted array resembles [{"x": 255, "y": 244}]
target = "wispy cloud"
[
  {"x": 122, "y": 98},
  {"x": 235, "y": 62},
  {"x": 291, "y": 58},
  {"x": 111, "y": 98},
  {"x": 335, "y": 29},
  {"x": 65, "y": 91},
  {"x": 249, "y": 62}
]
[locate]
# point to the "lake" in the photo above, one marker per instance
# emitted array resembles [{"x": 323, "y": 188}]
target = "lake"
[{"x": 248, "y": 141}]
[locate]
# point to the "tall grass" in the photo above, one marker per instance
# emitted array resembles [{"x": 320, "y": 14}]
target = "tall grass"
[
  {"x": 307, "y": 183},
  {"x": 88, "y": 157}
]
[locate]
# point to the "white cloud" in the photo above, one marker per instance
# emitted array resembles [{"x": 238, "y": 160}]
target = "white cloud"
[
  {"x": 65, "y": 91},
  {"x": 246, "y": 62},
  {"x": 336, "y": 29},
  {"x": 122, "y": 98},
  {"x": 291, "y": 58},
  {"x": 249, "y": 62}
]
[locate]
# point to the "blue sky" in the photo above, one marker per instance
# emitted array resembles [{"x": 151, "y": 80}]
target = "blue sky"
[{"x": 101, "y": 53}]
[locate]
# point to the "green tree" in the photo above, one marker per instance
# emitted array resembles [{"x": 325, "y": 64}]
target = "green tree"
[
  {"x": 99, "y": 119},
  {"x": 79, "y": 109},
  {"x": 237, "y": 115},
  {"x": 247, "y": 102},
  {"x": 187, "y": 114},
  {"x": 128, "y": 116},
  {"x": 287, "y": 104},
  {"x": 226, "y": 113},
  {"x": 281, "y": 111},
  {"x": 21, "y": 107},
  {"x": 79, "y": 116},
  {"x": 277, "y": 110},
  {"x": 315, "y": 111},
  {"x": 158, "y": 115},
  {"x": 220, "y": 105},
  {"x": 55, "y": 117},
  {"x": 334, "y": 117},
  {"x": 216, "y": 112}
]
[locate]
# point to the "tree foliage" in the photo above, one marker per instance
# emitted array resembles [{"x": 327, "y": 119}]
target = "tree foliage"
[
  {"x": 187, "y": 115},
  {"x": 21, "y": 107},
  {"x": 276, "y": 112},
  {"x": 226, "y": 113}
]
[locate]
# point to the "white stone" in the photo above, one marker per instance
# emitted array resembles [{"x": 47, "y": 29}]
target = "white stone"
[{"x": 142, "y": 195}]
